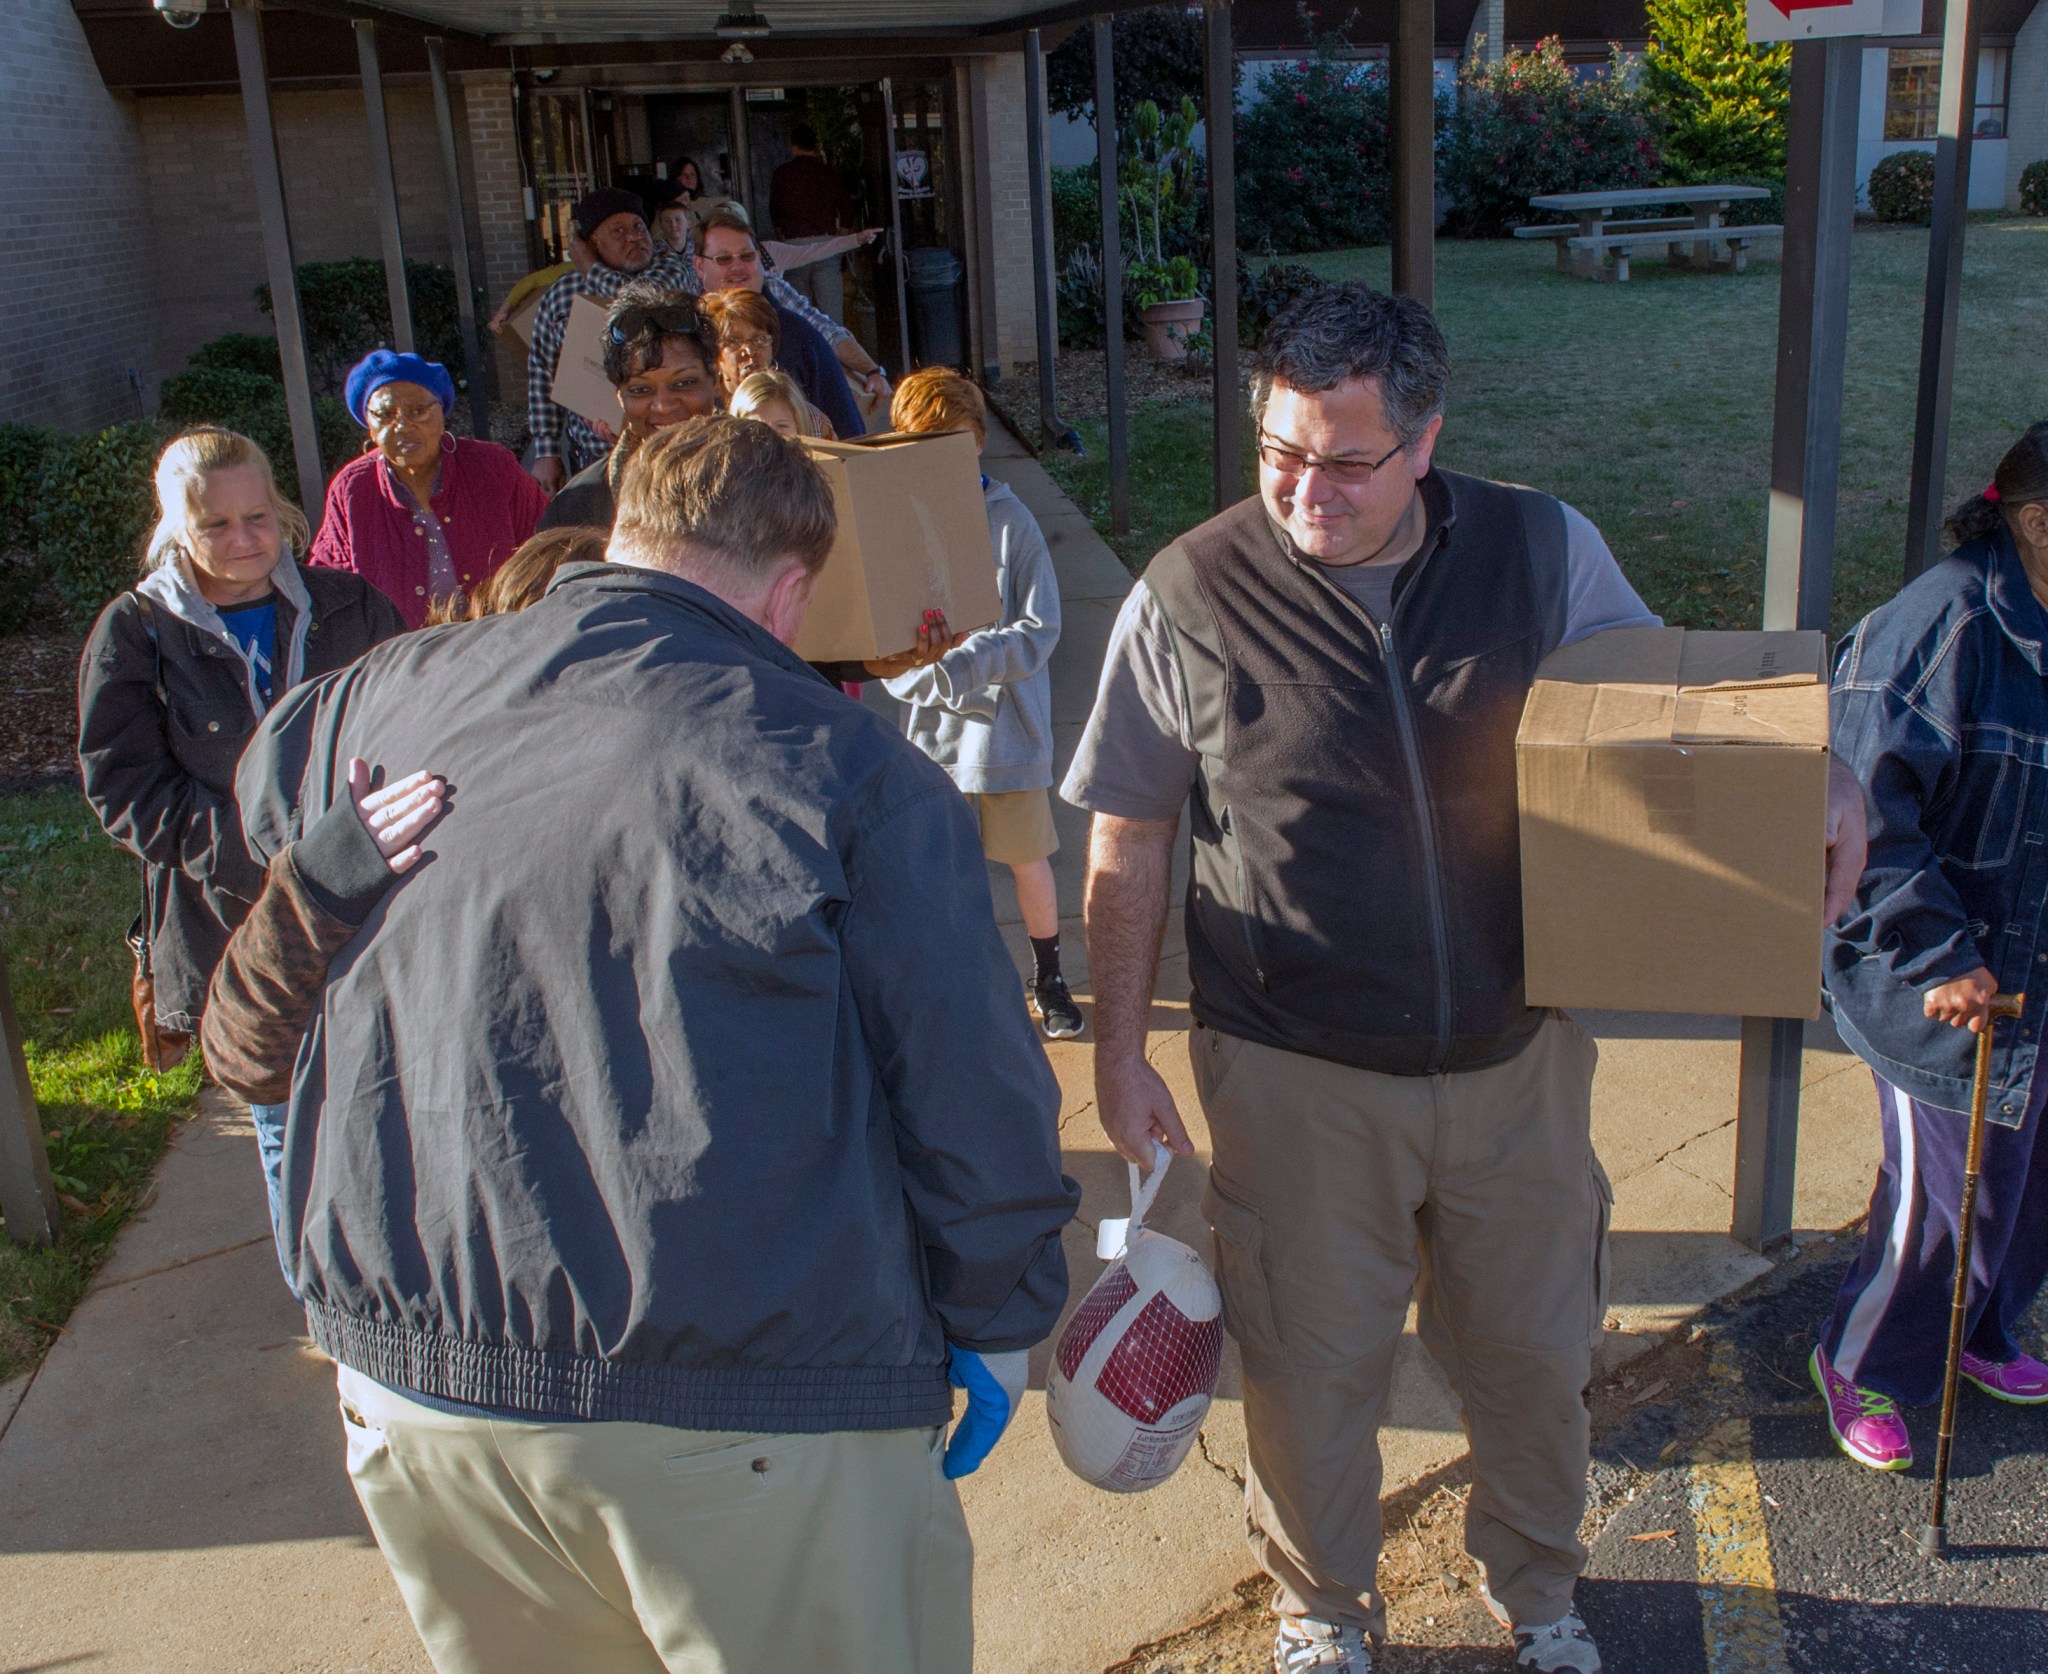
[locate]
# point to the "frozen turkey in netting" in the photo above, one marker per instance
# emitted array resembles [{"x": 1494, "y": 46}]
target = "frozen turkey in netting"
[{"x": 1135, "y": 1368}]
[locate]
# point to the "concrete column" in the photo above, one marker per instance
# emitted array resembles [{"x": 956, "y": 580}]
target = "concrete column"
[
  {"x": 1414, "y": 101},
  {"x": 384, "y": 185},
  {"x": 254, "y": 70}
]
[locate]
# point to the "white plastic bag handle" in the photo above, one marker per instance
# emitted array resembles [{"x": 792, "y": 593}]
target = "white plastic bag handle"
[{"x": 1113, "y": 1236}]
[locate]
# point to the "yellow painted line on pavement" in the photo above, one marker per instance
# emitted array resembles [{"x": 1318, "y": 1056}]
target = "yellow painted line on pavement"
[{"x": 1739, "y": 1622}]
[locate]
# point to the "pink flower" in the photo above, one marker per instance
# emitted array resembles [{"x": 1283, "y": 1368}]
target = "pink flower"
[{"x": 1299, "y": 98}]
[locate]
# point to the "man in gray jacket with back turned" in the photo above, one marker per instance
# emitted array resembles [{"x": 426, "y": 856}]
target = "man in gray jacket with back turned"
[{"x": 666, "y": 1140}]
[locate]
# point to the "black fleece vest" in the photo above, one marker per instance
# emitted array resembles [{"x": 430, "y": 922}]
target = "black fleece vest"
[{"x": 1357, "y": 887}]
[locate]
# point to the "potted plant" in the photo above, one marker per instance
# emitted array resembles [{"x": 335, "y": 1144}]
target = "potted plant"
[
  {"x": 1169, "y": 305},
  {"x": 1169, "y": 302}
]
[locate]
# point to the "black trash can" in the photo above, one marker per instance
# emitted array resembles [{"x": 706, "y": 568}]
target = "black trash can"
[{"x": 933, "y": 281}]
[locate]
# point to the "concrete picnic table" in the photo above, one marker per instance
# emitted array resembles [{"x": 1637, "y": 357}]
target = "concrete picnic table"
[{"x": 1706, "y": 204}]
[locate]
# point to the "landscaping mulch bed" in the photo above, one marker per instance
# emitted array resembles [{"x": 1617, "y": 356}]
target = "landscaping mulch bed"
[
  {"x": 38, "y": 709},
  {"x": 1083, "y": 386}
]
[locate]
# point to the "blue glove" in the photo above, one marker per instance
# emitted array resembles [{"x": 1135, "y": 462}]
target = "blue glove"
[{"x": 994, "y": 1385}]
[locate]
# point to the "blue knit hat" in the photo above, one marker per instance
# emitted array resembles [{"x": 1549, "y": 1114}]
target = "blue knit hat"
[{"x": 387, "y": 366}]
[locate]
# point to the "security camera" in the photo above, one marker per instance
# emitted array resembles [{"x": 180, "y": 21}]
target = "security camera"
[{"x": 181, "y": 14}]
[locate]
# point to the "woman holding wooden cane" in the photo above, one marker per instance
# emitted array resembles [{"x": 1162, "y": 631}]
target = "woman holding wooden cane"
[{"x": 1941, "y": 709}]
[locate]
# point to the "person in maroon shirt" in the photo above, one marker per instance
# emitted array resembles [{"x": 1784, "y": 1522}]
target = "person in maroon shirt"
[
  {"x": 808, "y": 201},
  {"x": 423, "y": 514}
]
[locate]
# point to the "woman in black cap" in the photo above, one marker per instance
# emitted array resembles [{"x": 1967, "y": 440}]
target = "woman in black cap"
[{"x": 613, "y": 221}]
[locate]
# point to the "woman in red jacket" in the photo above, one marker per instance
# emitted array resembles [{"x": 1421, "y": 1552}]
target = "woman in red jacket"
[{"x": 422, "y": 515}]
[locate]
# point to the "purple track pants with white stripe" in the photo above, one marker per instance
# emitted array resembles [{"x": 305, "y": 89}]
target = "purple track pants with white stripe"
[{"x": 1889, "y": 1329}]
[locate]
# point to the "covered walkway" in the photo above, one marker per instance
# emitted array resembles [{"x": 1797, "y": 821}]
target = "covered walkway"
[{"x": 172, "y": 1486}]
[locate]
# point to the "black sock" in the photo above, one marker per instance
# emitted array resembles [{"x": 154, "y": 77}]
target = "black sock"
[{"x": 1046, "y": 950}]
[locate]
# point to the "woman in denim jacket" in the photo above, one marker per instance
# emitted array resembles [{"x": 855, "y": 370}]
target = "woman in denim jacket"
[{"x": 1941, "y": 709}]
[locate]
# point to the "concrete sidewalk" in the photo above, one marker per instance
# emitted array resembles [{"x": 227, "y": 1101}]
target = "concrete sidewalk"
[{"x": 172, "y": 1490}]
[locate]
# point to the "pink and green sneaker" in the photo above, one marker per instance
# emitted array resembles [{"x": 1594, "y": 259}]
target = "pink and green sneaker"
[
  {"x": 1867, "y": 1425},
  {"x": 2023, "y": 1381}
]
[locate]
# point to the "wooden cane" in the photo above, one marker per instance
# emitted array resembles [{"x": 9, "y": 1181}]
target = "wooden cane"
[{"x": 1934, "y": 1537}]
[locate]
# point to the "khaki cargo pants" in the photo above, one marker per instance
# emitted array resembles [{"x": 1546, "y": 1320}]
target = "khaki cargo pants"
[
  {"x": 640, "y": 1549},
  {"x": 1335, "y": 1194}
]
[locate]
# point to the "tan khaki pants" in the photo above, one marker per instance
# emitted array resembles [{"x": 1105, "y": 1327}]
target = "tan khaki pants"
[
  {"x": 639, "y": 1549},
  {"x": 1334, "y": 1192}
]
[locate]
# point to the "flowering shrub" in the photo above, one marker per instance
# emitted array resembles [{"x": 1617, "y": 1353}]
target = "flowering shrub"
[
  {"x": 1312, "y": 156},
  {"x": 1527, "y": 125},
  {"x": 1901, "y": 187}
]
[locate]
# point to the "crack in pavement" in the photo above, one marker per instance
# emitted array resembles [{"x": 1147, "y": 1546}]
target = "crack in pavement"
[
  {"x": 1667, "y": 1156},
  {"x": 187, "y": 1261},
  {"x": 1215, "y": 1464}
]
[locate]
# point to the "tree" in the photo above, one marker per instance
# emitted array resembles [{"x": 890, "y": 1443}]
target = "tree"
[
  {"x": 1158, "y": 56},
  {"x": 1722, "y": 99}
]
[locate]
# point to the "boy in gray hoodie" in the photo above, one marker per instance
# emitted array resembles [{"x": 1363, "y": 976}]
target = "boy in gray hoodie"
[{"x": 983, "y": 711}]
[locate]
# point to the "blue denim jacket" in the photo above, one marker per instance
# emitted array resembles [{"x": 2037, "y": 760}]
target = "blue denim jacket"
[{"x": 1940, "y": 706}]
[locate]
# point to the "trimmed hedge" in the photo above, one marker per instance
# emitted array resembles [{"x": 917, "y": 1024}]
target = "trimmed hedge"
[
  {"x": 1901, "y": 187},
  {"x": 95, "y": 505},
  {"x": 254, "y": 405},
  {"x": 2034, "y": 188},
  {"x": 22, "y": 451},
  {"x": 75, "y": 511},
  {"x": 348, "y": 313}
]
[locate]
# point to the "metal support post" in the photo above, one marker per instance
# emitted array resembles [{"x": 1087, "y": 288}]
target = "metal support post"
[
  {"x": 1219, "y": 114},
  {"x": 1056, "y": 429},
  {"x": 982, "y": 139},
  {"x": 1415, "y": 152},
  {"x": 458, "y": 240},
  {"x": 27, "y": 1197},
  {"x": 384, "y": 185},
  {"x": 1959, "y": 41},
  {"x": 1112, "y": 280},
  {"x": 742, "y": 154},
  {"x": 1806, "y": 453},
  {"x": 896, "y": 228},
  {"x": 254, "y": 70}
]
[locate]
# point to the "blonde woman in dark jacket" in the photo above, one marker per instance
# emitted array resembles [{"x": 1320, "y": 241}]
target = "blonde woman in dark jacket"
[{"x": 174, "y": 677}]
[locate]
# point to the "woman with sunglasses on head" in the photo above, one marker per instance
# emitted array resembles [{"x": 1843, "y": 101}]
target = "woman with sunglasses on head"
[
  {"x": 423, "y": 514},
  {"x": 657, "y": 362}
]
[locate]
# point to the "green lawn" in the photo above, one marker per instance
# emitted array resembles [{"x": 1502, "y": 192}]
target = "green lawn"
[
  {"x": 66, "y": 897},
  {"x": 1648, "y": 406}
]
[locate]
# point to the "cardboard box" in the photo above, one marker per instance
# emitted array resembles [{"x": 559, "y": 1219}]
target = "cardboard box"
[
  {"x": 913, "y": 536},
  {"x": 1674, "y": 822},
  {"x": 521, "y": 324},
  {"x": 580, "y": 383}
]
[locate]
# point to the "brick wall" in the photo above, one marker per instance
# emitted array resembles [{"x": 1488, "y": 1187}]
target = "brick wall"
[
  {"x": 1009, "y": 176},
  {"x": 208, "y": 236},
  {"x": 75, "y": 257},
  {"x": 498, "y": 203},
  {"x": 2027, "y": 101}
]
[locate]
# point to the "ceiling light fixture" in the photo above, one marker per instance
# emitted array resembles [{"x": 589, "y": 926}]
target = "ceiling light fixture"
[{"x": 742, "y": 22}]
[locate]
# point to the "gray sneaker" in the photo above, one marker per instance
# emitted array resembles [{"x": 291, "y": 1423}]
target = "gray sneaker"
[
  {"x": 1563, "y": 1647},
  {"x": 1304, "y": 1644}
]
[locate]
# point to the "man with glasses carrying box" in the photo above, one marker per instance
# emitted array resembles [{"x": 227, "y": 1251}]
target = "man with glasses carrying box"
[{"x": 1331, "y": 675}]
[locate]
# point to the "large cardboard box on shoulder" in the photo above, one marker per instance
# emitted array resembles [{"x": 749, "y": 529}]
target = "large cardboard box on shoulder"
[
  {"x": 1674, "y": 822},
  {"x": 913, "y": 536}
]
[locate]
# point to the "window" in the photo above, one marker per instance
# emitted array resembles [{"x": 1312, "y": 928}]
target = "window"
[
  {"x": 1994, "y": 67},
  {"x": 1912, "y": 94}
]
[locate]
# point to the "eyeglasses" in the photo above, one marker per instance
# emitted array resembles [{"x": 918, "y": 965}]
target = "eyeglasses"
[
  {"x": 1342, "y": 471},
  {"x": 725, "y": 264},
  {"x": 669, "y": 318}
]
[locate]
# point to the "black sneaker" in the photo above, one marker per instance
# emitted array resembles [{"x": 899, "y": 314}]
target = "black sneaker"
[{"x": 1058, "y": 1017}]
